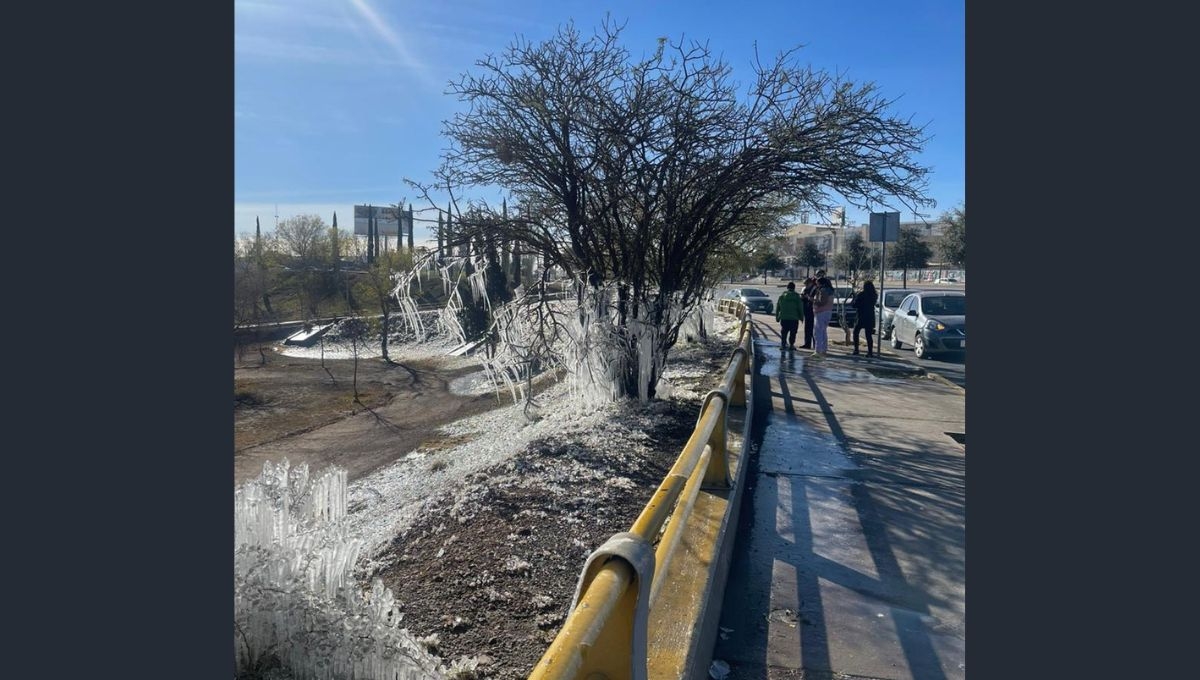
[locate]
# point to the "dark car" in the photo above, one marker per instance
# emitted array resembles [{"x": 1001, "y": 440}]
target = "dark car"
[
  {"x": 890, "y": 300},
  {"x": 932, "y": 322},
  {"x": 754, "y": 299},
  {"x": 843, "y": 303}
]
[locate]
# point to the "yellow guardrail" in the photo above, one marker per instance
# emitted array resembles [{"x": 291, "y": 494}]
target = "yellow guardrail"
[{"x": 604, "y": 635}]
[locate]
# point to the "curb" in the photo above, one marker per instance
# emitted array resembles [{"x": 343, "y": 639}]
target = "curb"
[
  {"x": 880, "y": 352},
  {"x": 931, "y": 374},
  {"x": 945, "y": 381}
]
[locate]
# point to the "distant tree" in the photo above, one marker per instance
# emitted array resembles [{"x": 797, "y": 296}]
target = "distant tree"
[
  {"x": 768, "y": 260},
  {"x": 344, "y": 247},
  {"x": 412, "y": 227},
  {"x": 304, "y": 242},
  {"x": 248, "y": 287},
  {"x": 304, "y": 238},
  {"x": 358, "y": 331},
  {"x": 909, "y": 252},
  {"x": 952, "y": 248},
  {"x": 811, "y": 257},
  {"x": 255, "y": 279},
  {"x": 376, "y": 283},
  {"x": 335, "y": 258},
  {"x": 856, "y": 259},
  {"x": 441, "y": 237},
  {"x": 727, "y": 261}
]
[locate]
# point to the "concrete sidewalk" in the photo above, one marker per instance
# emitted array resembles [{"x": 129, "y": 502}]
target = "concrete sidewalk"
[{"x": 850, "y": 556}]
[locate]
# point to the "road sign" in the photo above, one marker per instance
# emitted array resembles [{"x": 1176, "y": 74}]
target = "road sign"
[{"x": 884, "y": 227}]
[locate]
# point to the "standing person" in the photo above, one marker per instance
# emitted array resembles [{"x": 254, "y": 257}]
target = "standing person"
[
  {"x": 810, "y": 286},
  {"x": 864, "y": 305},
  {"x": 822, "y": 310},
  {"x": 788, "y": 312}
]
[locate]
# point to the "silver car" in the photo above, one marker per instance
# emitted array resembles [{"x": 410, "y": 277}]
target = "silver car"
[
  {"x": 932, "y": 322},
  {"x": 890, "y": 300},
  {"x": 754, "y": 299}
]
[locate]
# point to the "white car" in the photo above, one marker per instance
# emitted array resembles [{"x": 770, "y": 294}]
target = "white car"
[
  {"x": 932, "y": 321},
  {"x": 891, "y": 299}
]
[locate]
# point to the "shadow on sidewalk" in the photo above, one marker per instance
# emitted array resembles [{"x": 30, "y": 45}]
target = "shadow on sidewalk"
[{"x": 904, "y": 498}]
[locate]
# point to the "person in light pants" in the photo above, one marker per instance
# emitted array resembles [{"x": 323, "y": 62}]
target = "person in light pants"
[{"x": 822, "y": 310}]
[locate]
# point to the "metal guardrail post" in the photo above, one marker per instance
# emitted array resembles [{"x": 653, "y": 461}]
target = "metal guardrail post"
[
  {"x": 738, "y": 398},
  {"x": 717, "y": 473},
  {"x": 605, "y": 634}
]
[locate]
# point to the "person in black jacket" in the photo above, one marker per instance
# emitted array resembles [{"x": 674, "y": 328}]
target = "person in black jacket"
[
  {"x": 864, "y": 305},
  {"x": 810, "y": 284}
]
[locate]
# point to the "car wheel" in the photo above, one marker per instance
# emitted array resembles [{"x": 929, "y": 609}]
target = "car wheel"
[
  {"x": 895, "y": 340},
  {"x": 919, "y": 347}
]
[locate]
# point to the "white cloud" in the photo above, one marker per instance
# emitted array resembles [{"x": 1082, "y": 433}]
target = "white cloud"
[
  {"x": 253, "y": 46},
  {"x": 397, "y": 42}
]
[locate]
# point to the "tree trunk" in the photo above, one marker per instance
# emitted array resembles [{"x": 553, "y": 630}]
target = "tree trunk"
[
  {"x": 632, "y": 380},
  {"x": 354, "y": 344},
  {"x": 384, "y": 340}
]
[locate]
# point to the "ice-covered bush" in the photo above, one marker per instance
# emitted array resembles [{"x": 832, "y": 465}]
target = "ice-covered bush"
[{"x": 297, "y": 604}]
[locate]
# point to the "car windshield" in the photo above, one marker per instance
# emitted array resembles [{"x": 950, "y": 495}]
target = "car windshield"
[
  {"x": 950, "y": 305},
  {"x": 753, "y": 292},
  {"x": 844, "y": 291},
  {"x": 893, "y": 299}
]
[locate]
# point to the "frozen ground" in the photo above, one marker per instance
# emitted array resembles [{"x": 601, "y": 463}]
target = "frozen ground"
[
  {"x": 383, "y": 504},
  {"x": 480, "y": 540}
]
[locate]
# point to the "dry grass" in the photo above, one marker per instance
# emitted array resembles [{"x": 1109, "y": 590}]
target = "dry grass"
[{"x": 435, "y": 444}]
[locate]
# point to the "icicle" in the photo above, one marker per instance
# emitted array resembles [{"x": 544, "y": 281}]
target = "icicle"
[{"x": 294, "y": 585}]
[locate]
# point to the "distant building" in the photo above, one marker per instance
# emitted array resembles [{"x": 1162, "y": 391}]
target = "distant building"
[
  {"x": 830, "y": 239},
  {"x": 822, "y": 234}
]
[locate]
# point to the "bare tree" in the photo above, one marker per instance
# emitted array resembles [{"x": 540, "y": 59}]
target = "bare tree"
[
  {"x": 304, "y": 243},
  {"x": 377, "y": 283},
  {"x": 358, "y": 331},
  {"x": 303, "y": 237},
  {"x": 632, "y": 174},
  {"x": 857, "y": 259}
]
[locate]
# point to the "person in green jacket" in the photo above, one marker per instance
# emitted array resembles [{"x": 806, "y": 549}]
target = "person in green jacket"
[{"x": 788, "y": 311}]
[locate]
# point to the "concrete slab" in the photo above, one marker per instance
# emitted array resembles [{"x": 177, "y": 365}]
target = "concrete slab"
[{"x": 851, "y": 550}]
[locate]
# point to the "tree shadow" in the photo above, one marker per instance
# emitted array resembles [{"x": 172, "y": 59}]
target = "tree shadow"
[{"x": 906, "y": 500}]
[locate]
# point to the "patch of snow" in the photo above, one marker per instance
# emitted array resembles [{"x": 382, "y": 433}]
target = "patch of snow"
[{"x": 385, "y": 503}]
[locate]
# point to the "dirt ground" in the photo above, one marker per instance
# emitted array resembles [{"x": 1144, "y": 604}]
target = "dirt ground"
[
  {"x": 488, "y": 572},
  {"x": 277, "y": 397}
]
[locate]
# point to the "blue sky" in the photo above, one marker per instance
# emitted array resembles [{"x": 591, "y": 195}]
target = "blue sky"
[{"x": 336, "y": 102}]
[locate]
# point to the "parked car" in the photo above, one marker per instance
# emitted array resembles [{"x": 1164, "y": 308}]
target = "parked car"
[
  {"x": 754, "y": 299},
  {"x": 932, "y": 322},
  {"x": 890, "y": 300},
  {"x": 843, "y": 296}
]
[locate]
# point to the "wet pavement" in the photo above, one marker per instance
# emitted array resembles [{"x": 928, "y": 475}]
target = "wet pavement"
[{"x": 851, "y": 549}]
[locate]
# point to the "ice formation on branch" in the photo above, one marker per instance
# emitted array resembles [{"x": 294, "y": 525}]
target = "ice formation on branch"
[
  {"x": 577, "y": 329},
  {"x": 295, "y": 596}
]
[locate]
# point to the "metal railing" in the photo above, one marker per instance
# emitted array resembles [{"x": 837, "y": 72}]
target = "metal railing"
[{"x": 605, "y": 633}]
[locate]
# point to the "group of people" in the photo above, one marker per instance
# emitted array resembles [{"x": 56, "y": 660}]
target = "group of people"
[{"x": 814, "y": 304}]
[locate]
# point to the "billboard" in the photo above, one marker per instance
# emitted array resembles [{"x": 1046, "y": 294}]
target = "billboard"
[{"x": 389, "y": 220}]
